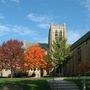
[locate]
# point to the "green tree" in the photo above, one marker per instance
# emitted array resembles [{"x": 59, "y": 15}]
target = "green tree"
[
  {"x": 48, "y": 59},
  {"x": 60, "y": 53}
]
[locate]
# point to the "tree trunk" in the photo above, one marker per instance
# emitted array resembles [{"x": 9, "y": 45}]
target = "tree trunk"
[
  {"x": 47, "y": 71},
  {"x": 1, "y": 73},
  {"x": 11, "y": 73},
  {"x": 41, "y": 72},
  {"x": 62, "y": 71},
  {"x": 59, "y": 69}
]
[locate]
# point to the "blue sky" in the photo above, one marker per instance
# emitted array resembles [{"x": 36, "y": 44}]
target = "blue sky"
[{"x": 30, "y": 19}]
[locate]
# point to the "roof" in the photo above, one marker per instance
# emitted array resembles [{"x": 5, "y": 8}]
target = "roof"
[
  {"x": 81, "y": 40},
  {"x": 44, "y": 46},
  {"x": 28, "y": 44}
]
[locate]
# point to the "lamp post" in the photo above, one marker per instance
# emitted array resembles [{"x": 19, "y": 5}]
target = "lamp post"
[{"x": 84, "y": 84}]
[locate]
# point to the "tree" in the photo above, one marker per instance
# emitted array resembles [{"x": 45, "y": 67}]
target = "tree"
[
  {"x": 34, "y": 57},
  {"x": 2, "y": 64},
  {"x": 48, "y": 60},
  {"x": 1, "y": 58},
  {"x": 60, "y": 53},
  {"x": 12, "y": 55}
]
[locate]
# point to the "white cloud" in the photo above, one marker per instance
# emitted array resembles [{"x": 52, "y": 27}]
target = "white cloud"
[
  {"x": 73, "y": 36},
  {"x": 6, "y": 30},
  {"x": 1, "y": 16},
  {"x": 43, "y": 25},
  {"x": 16, "y": 1},
  {"x": 8, "y": 1},
  {"x": 38, "y": 18},
  {"x": 25, "y": 31},
  {"x": 20, "y": 30},
  {"x": 42, "y": 21},
  {"x": 86, "y": 4},
  {"x": 3, "y": 1}
]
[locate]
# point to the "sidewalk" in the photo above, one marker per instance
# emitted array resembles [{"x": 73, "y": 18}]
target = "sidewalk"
[{"x": 61, "y": 84}]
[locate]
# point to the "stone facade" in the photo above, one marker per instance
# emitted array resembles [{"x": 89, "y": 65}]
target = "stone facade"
[
  {"x": 56, "y": 31},
  {"x": 81, "y": 53}
]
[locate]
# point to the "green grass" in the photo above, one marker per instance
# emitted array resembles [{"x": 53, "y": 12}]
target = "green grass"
[
  {"x": 79, "y": 81},
  {"x": 26, "y": 83}
]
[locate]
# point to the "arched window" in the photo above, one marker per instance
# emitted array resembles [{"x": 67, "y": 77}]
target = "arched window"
[
  {"x": 56, "y": 34},
  {"x": 60, "y": 34}
]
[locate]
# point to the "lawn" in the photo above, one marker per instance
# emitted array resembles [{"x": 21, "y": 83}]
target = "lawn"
[
  {"x": 25, "y": 83},
  {"x": 79, "y": 81}
]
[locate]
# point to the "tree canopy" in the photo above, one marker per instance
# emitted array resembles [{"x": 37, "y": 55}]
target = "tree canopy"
[
  {"x": 11, "y": 53},
  {"x": 60, "y": 52},
  {"x": 34, "y": 57}
]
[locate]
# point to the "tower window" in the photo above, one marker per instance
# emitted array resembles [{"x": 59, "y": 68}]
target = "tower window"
[
  {"x": 56, "y": 34},
  {"x": 60, "y": 34}
]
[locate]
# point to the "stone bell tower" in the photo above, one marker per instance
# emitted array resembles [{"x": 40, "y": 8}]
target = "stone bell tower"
[{"x": 56, "y": 31}]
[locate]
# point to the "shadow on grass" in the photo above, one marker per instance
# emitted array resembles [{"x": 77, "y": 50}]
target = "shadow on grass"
[{"x": 25, "y": 85}]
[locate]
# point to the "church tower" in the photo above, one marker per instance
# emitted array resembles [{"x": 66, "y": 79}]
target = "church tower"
[{"x": 56, "y": 31}]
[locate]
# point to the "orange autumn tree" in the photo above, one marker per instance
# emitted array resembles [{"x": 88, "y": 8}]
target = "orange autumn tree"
[{"x": 34, "y": 57}]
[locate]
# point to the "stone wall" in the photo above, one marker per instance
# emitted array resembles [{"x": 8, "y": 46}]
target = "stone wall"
[{"x": 81, "y": 53}]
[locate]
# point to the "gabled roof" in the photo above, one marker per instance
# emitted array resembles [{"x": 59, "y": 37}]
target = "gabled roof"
[{"x": 81, "y": 40}]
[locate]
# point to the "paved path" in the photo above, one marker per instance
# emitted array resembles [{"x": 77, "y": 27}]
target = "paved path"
[{"x": 60, "y": 84}]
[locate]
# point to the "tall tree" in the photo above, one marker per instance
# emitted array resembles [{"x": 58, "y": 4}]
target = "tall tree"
[
  {"x": 13, "y": 54},
  {"x": 60, "y": 53}
]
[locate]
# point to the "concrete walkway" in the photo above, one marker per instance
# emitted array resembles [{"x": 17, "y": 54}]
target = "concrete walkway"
[{"x": 60, "y": 84}]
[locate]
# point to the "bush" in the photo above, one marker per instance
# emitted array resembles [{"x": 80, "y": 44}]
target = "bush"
[
  {"x": 88, "y": 73},
  {"x": 20, "y": 74}
]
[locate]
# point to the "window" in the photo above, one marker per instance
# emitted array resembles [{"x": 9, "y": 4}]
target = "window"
[
  {"x": 60, "y": 34},
  {"x": 56, "y": 34},
  {"x": 86, "y": 42},
  {"x": 79, "y": 54}
]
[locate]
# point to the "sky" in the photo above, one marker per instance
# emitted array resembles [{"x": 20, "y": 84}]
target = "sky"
[{"x": 29, "y": 20}]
